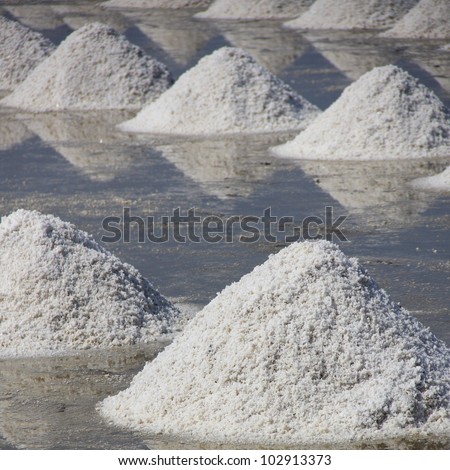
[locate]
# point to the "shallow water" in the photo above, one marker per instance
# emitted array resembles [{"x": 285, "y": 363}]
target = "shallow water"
[{"x": 80, "y": 168}]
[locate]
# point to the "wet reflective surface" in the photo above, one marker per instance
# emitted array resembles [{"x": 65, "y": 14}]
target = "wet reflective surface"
[{"x": 79, "y": 167}]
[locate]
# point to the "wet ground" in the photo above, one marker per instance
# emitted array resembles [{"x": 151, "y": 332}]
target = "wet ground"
[{"x": 80, "y": 168}]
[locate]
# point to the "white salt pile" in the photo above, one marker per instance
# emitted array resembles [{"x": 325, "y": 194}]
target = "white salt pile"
[
  {"x": 430, "y": 19},
  {"x": 439, "y": 182},
  {"x": 60, "y": 291},
  {"x": 94, "y": 68},
  {"x": 255, "y": 9},
  {"x": 226, "y": 92},
  {"x": 352, "y": 14},
  {"x": 170, "y": 4},
  {"x": 304, "y": 349},
  {"x": 386, "y": 114},
  {"x": 21, "y": 50}
]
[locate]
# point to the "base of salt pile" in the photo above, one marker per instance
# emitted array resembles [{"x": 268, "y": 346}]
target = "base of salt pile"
[
  {"x": 439, "y": 182},
  {"x": 306, "y": 348},
  {"x": 61, "y": 292}
]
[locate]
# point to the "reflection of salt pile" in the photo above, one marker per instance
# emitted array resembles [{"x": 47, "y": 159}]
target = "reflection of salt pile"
[
  {"x": 87, "y": 142},
  {"x": 12, "y": 133},
  {"x": 436, "y": 64},
  {"x": 440, "y": 182},
  {"x": 352, "y": 14},
  {"x": 21, "y": 50},
  {"x": 94, "y": 68},
  {"x": 221, "y": 167},
  {"x": 170, "y": 4},
  {"x": 352, "y": 56},
  {"x": 386, "y": 114},
  {"x": 60, "y": 291},
  {"x": 429, "y": 19},
  {"x": 255, "y": 9},
  {"x": 272, "y": 46},
  {"x": 40, "y": 17},
  {"x": 306, "y": 348},
  {"x": 226, "y": 92}
]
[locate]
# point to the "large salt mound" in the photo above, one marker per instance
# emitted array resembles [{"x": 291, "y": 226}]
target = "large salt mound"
[
  {"x": 226, "y": 92},
  {"x": 304, "y": 349},
  {"x": 439, "y": 182},
  {"x": 171, "y": 4},
  {"x": 60, "y": 291},
  {"x": 430, "y": 19},
  {"x": 255, "y": 9},
  {"x": 352, "y": 14},
  {"x": 94, "y": 68},
  {"x": 386, "y": 114},
  {"x": 21, "y": 50}
]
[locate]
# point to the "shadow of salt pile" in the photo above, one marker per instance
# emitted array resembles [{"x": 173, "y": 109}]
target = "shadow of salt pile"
[
  {"x": 175, "y": 32},
  {"x": 89, "y": 142},
  {"x": 353, "y": 54},
  {"x": 376, "y": 192},
  {"x": 274, "y": 47},
  {"x": 49, "y": 403},
  {"x": 222, "y": 168},
  {"x": 40, "y": 17},
  {"x": 76, "y": 16}
]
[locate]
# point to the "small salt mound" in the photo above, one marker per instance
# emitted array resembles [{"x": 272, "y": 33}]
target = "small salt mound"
[
  {"x": 60, "y": 291},
  {"x": 170, "y": 4},
  {"x": 386, "y": 114},
  {"x": 304, "y": 349},
  {"x": 21, "y": 50},
  {"x": 226, "y": 92},
  {"x": 255, "y": 9},
  {"x": 352, "y": 14},
  {"x": 94, "y": 68},
  {"x": 439, "y": 182},
  {"x": 430, "y": 19}
]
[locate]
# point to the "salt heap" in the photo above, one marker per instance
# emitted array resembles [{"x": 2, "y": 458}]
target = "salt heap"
[
  {"x": 21, "y": 50},
  {"x": 60, "y": 291},
  {"x": 439, "y": 182},
  {"x": 171, "y": 4},
  {"x": 94, "y": 68},
  {"x": 386, "y": 114},
  {"x": 304, "y": 349},
  {"x": 430, "y": 19},
  {"x": 255, "y": 9},
  {"x": 226, "y": 92},
  {"x": 352, "y": 14}
]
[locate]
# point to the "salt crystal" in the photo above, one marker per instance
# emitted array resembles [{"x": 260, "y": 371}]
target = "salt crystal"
[
  {"x": 226, "y": 92},
  {"x": 386, "y": 114},
  {"x": 439, "y": 182},
  {"x": 60, "y": 291},
  {"x": 305, "y": 349}
]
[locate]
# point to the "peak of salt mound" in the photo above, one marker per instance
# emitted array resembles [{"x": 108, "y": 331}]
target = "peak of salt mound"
[
  {"x": 304, "y": 349},
  {"x": 386, "y": 114},
  {"x": 352, "y": 14},
  {"x": 255, "y": 9},
  {"x": 60, "y": 291},
  {"x": 94, "y": 68},
  {"x": 429, "y": 19},
  {"x": 170, "y": 4},
  {"x": 20, "y": 52},
  {"x": 226, "y": 92},
  {"x": 439, "y": 182}
]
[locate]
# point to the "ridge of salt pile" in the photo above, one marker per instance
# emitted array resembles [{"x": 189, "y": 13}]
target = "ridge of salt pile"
[
  {"x": 386, "y": 114},
  {"x": 429, "y": 19},
  {"x": 352, "y": 14},
  {"x": 304, "y": 349},
  {"x": 169, "y": 4},
  {"x": 226, "y": 92},
  {"x": 93, "y": 68},
  {"x": 60, "y": 291},
  {"x": 21, "y": 51},
  {"x": 255, "y": 9},
  {"x": 439, "y": 182}
]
